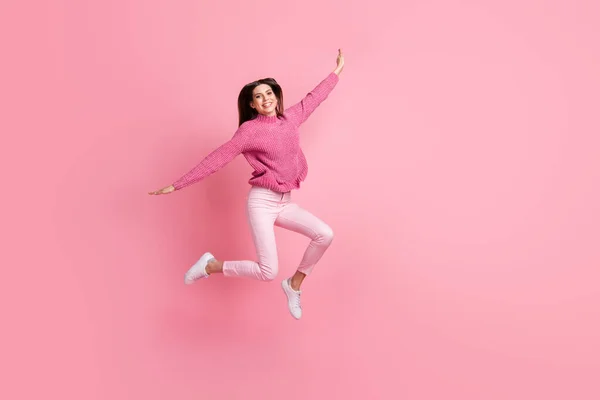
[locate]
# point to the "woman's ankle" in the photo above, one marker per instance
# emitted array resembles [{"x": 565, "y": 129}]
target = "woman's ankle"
[
  {"x": 214, "y": 266},
  {"x": 296, "y": 280}
]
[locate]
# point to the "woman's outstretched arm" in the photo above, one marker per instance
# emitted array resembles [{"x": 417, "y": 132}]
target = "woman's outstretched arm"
[
  {"x": 299, "y": 112},
  {"x": 216, "y": 160}
]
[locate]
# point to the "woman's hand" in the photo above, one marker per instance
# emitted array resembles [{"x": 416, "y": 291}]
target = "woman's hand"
[
  {"x": 340, "y": 62},
  {"x": 165, "y": 190}
]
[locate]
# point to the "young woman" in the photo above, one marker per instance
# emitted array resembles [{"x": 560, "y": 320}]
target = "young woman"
[{"x": 267, "y": 136}]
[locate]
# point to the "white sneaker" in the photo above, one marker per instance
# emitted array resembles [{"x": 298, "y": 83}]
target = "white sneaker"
[
  {"x": 198, "y": 270},
  {"x": 293, "y": 297}
]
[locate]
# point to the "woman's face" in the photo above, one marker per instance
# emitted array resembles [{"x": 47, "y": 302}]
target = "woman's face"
[{"x": 264, "y": 100}]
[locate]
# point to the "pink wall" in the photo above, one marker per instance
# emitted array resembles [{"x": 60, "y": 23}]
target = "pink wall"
[{"x": 457, "y": 162}]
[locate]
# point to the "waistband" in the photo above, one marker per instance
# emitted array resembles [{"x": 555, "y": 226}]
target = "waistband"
[{"x": 268, "y": 193}]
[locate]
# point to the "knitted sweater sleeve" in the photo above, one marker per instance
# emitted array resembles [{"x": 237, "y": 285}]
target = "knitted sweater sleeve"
[
  {"x": 216, "y": 160},
  {"x": 299, "y": 112}
]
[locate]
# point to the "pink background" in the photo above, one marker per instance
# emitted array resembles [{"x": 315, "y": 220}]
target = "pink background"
[{"x": 457, "y": 161}]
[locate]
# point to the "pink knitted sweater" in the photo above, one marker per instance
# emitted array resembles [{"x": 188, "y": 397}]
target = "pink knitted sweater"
[{"x": 271, "y": 145}]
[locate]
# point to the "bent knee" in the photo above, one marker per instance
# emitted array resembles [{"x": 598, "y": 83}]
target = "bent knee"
[
  {"x": 268, "y": 277},
  {"x": 326, "y": 235},
  {"x": 268, "y": 272}
]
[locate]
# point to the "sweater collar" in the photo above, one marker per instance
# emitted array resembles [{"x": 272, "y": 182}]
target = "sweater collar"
[{"x": 267, "y": 119}]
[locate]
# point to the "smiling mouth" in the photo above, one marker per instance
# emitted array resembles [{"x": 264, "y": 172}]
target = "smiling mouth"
[{"x": 267, "y": 105}]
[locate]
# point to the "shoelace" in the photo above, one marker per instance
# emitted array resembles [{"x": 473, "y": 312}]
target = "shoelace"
[{"x": 296, "y": 301}]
